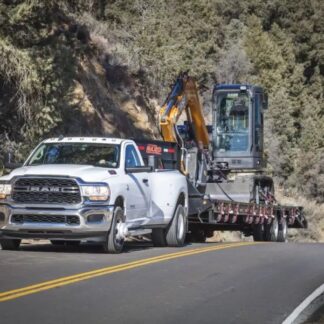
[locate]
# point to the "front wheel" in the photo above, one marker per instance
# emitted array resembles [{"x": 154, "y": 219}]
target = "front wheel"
[
  {"x": 115, "y": 238},
  {"x": 10, "y": 244},
  {"x": 177, "y": 230}
]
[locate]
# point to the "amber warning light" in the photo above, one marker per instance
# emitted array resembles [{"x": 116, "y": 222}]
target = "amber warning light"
[{"x": 155, "y": 149}]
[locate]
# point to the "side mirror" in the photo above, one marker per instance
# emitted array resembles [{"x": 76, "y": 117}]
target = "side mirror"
[
  {"x": 265, "y": 101},
  {"x": 10, "y": 164},
  {"x": 139, "y": 169}
]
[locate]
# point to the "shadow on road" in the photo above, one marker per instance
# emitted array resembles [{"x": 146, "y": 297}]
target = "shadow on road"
[
  {"x": 82, "y": 248},
  {"x": 93, "y": 248}
]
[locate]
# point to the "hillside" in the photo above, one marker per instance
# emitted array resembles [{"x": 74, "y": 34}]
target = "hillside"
[
  {"x": 101, "y": 67},
  {"x": 57, "y": 77}
]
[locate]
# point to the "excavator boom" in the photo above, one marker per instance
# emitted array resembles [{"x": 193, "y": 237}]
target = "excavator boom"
[{"x": 183, "y": 97}]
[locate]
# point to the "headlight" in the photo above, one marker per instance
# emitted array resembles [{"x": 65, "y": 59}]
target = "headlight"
[
  {"x": 95, "y": 193},
  {"x": 5, "y": 190}
]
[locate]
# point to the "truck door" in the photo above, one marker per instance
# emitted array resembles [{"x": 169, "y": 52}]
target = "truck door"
[{"x": 139, "y": 200}]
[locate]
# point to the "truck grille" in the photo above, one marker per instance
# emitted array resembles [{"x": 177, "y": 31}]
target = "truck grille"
[
  {"x": 47, "y": 219},
  {"x": 46, "y": 191}
]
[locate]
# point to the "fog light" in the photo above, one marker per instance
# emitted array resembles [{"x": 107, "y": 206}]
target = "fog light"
[{"x": 95, "y": 218}]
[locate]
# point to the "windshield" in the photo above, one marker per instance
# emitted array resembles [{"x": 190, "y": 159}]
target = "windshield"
[
  {"x": 232, "y": 121},
  {"x": 102, "y": 155}
]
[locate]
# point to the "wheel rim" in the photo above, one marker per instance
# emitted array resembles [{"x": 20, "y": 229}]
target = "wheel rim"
[
  {"x": 180, "y": 226},
  {"x": 119, "y": 236}
]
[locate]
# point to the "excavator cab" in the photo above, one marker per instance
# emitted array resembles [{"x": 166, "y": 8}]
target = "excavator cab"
[{"x": 237, "y": 137}]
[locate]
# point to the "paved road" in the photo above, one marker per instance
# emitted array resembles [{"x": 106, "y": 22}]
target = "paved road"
[{"x": 201, "y": 283}]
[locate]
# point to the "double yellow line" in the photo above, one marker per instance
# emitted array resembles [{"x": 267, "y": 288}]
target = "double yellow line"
[{"x": 64, "y": 281}]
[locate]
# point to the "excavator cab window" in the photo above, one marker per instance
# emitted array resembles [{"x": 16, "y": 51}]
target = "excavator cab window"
[
  {"x": 258, "y": 122},
  {"x": 232, "y": 121}
]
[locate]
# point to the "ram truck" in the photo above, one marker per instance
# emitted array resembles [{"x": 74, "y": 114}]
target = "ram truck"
[{"x": 71, "y": 190}]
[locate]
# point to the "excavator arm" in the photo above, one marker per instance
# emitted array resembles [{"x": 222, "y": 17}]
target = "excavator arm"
[{"x": 183, "y": 97}]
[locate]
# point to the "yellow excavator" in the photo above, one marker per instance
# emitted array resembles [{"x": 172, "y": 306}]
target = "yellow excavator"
[
  {"x": 233, "y": 149},
  {"x": 184, "y": 97}
]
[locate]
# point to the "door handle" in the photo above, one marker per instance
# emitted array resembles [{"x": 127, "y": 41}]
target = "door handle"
[{"x": 145, "y": 180}]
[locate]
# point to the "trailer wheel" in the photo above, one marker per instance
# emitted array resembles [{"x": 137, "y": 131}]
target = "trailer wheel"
[
  {"x": 176, "y": 232},
  {"x": 158, "y": 237},
  {"x": 283, "y": 229},
  {"x": 115, "y": 238},
  {"x": 271, "y": 231},
  {"x": 10, "y": 244},
  {"x": 258, "y": 233}
]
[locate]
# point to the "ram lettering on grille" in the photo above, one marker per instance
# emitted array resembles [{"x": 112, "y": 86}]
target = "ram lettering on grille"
[{"x": 46, "y": 191}]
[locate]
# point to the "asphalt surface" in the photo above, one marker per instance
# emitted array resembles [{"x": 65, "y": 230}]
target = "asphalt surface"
[{"x": 259, "y": 283}]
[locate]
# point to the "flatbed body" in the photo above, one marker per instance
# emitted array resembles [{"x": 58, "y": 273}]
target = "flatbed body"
[{"x": 211, "y": 214}]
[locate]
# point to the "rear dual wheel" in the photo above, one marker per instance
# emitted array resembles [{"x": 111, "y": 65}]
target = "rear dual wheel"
[{"x": 175, "y": 234}]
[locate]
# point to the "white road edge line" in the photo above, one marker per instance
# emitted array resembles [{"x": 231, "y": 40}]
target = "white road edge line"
[{"x": 303, "y": 305}]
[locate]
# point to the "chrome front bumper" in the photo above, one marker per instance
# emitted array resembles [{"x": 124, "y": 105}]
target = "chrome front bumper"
[{"x": 86, "y": 229}]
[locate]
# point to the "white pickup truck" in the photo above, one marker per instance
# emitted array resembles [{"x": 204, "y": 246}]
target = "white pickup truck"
[{"x": 91, "y": 189}]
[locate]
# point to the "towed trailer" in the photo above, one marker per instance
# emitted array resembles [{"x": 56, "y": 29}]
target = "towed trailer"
[{"x": 264, "y": 221}]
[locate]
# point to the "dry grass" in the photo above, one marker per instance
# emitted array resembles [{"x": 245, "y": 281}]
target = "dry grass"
[
  {"x": 314, "y": 213},
  {"x": 18, "y": 69}
]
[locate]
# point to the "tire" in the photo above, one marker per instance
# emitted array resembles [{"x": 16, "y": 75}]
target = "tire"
[
  {"x": 176, "y": 232},
  {"x": 258, "y": 233},
  {"x": 114, "y": 242},
  {"x": 158, "y": 237},
  {"x": 282, "y": 232},
  {"x": 10, "y": 244},
  {"x": 271, "y": 231}
]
